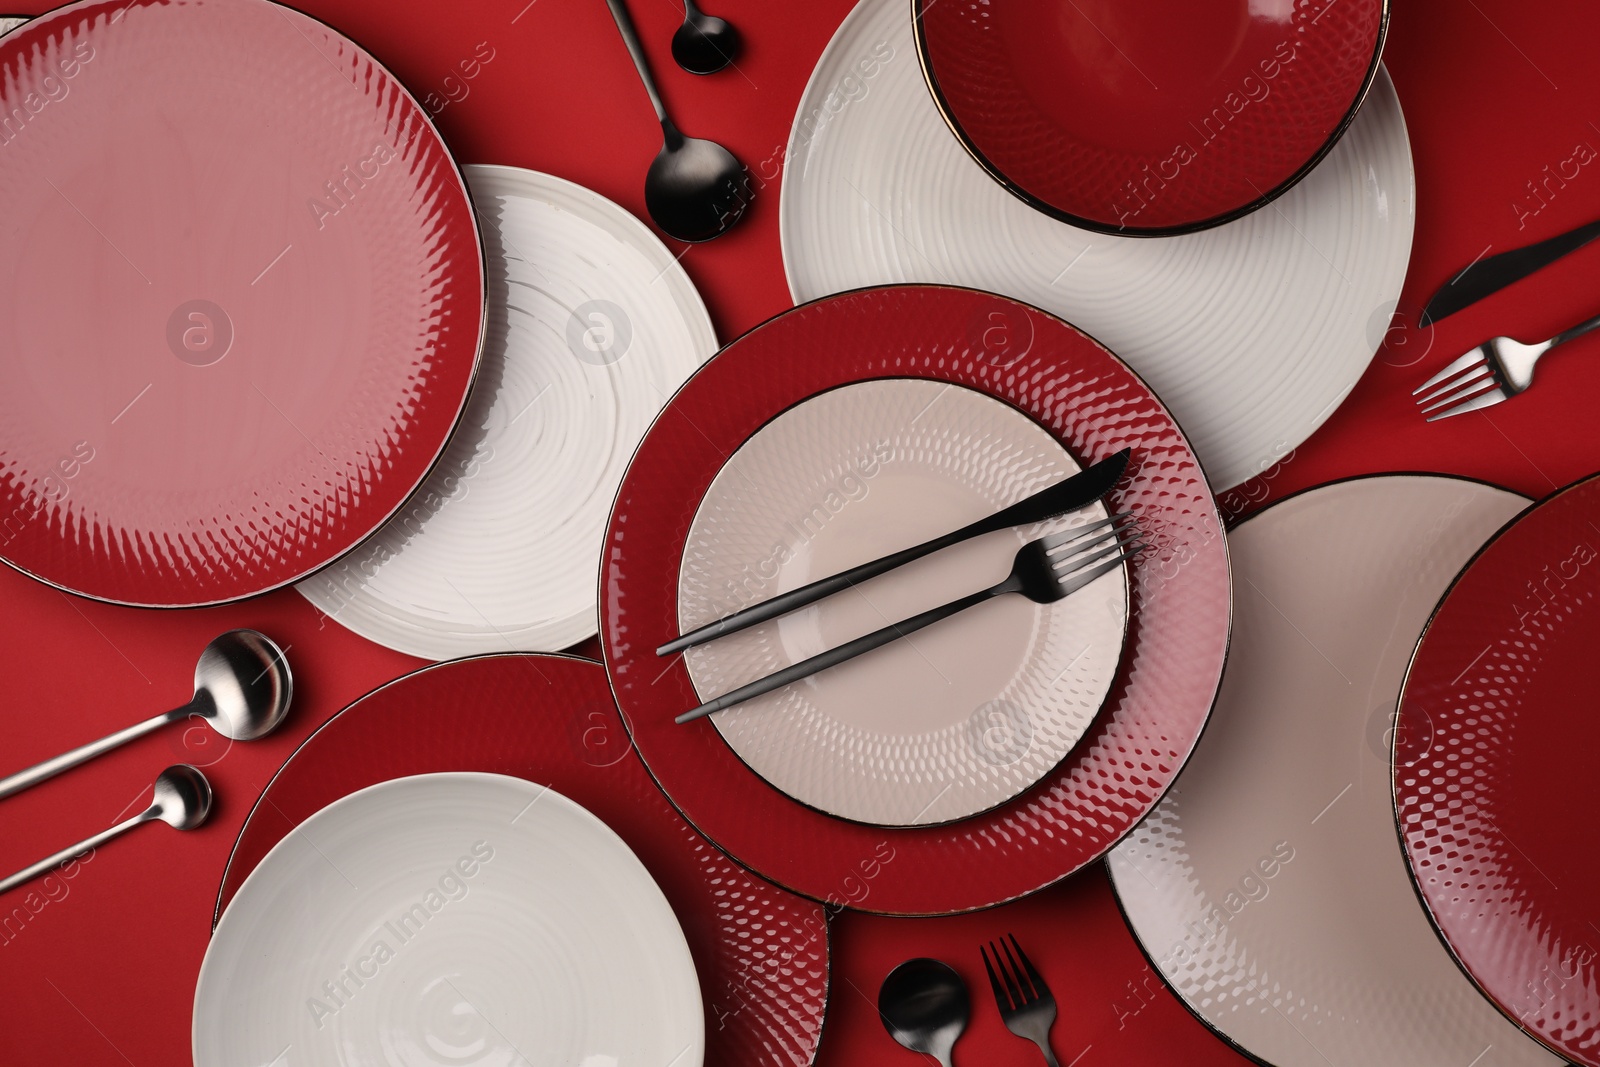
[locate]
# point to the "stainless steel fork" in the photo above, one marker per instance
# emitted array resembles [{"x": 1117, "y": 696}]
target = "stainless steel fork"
[
  {"x": 1496, "y": 370},
  {"x": 1027, "y": 1006}
]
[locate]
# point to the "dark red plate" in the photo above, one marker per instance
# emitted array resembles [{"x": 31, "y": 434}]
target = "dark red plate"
[
  {"x": 241, "y": 298},
  {"x": 1176, "y": 642},
  {"x": 1495, "y": 785},
  {"x": 761, "y": 953},
  {"x": 1149, "y": 119}
]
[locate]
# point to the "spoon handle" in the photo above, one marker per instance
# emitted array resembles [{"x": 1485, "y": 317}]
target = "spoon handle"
[
  {"x": 630, "y": 37},
  {"x": 30, "y": 873},
  {"x": 16, "y": 783}
]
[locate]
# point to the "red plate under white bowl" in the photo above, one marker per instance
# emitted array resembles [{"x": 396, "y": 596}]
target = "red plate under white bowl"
[
  {"x": 241, "y": 298},
  {"x": 1494, "y": 771},
  {"x": 1180, "y": 604},
  {"x": 761, "y": 953},
  {"x": 1149, "y": 119}
]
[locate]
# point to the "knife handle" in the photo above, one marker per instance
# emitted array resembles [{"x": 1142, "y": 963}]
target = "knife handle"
[{"x": 822, "y": 588}]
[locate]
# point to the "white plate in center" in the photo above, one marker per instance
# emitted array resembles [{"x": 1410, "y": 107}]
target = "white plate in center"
[{"x": 953, "y": 720}]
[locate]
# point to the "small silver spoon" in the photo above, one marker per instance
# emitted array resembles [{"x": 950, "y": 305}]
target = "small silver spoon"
[
  {"x": 182, "y": 801},
  {"x": 242, "y": 688}
]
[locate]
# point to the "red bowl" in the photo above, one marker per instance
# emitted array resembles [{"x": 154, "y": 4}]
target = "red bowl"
[{"x": 1149, "y": 120}]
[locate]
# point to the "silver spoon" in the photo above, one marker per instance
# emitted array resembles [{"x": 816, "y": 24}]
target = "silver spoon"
[
  {"x": 704, "y": 44},
  {"x": 242, "y": 688},
  {"x": 924, "y": 1005},
  {"x": 182, "y": 801},
  {"x": 695, "y": 189}
]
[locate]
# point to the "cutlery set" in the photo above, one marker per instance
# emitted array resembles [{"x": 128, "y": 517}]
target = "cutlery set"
[
  {"x": 242, "y": 690},
  {"x": 924, "y": 1003},
  {"x": 1045, "y": 571},
  {"x": 1501, "y": 367}
]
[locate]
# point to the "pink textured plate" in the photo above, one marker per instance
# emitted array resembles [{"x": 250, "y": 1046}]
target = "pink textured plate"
[
  {"x": 241, "y": 298},
  {"x": 761, "y": 953},
  {"x": 1494, "y": 778},
  {"x": 1153, "y": 118},
  {"x": 954, "y": 719},
  {"x": 1093, "y": 405}
]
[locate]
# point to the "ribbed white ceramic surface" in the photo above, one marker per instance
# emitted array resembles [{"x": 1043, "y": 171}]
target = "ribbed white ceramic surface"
[
  {"x": 954, "y": 719},
  {"x": 592, "y": 326},
  {"x": 1268, "y": 887},
  {"x": 449, "y": 919},
  {"x": 1251, "y": 333}
]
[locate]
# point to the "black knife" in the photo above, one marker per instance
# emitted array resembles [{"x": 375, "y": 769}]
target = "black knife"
[
  {"x": 1487, "y": 276},
  {"x": 1078, "y": 491}
]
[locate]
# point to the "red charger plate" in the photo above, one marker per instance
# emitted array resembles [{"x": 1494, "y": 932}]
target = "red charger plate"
[
  {"x": 761, "y": 953},
  {"x": 1494, "y": 781},
  {"x": 1149, "y": 119},
  {"x": 1177, "y": 638},
  {"x": 241, "y": 298}
]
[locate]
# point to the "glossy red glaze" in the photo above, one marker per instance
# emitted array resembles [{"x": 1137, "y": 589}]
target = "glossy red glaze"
[
  {"x": 1494, "y": 771},
  {"x": 761, "y": 953},
  {"x": 1140, "y": 118},
  {"x": 241, "y": 296},
  {"x": 1172, "y": 661}
]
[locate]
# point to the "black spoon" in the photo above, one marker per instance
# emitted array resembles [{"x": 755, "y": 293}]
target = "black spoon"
[
  {"x": 695, "y": 189},
  {"x": 704, "y": 44},
  {"x": 924, "y": 1005}
]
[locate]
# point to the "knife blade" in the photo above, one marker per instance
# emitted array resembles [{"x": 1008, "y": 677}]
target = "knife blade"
[
  {"x": 1484, "y": 277},
  {"x": 1080, "y": 490}
]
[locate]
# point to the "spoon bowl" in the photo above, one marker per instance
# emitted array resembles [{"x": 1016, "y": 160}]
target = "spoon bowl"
[
  {"x": 694, "y": 189},
  {"x": 183, "y": 797},
  {"x": 242, "y": 685},
  {"x": 925, "y": 1006},
  {"x": 704, "y": 44}
]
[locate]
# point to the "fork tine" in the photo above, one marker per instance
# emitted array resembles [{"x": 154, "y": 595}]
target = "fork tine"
[
  {"x": 1088, "y": 532},
  {"x": 1478, "y": 373},
  {"x": 1454, "y": 368},
  {"x": 1033, "y": 976},
  {"x": 1062, "y": 547},
  {"x": 1482, "y": 400},
  {"x": 1078, "y": 581},
  {"x": 1000, "y": 997},
  {"x": 1067, "y": 563},
  {"x": 1461, "y": 394},
  {"x": 1030, "y": 992},
  {"x": 1011, "y": 983}
]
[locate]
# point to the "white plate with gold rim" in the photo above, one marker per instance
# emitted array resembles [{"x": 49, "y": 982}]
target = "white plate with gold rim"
[
  {"x": 953, "y": 720},
  {"x": 449, "y": 919}
]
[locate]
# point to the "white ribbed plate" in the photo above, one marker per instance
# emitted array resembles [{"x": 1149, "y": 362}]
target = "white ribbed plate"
[
  {"x": 1268, "y": 887},
  {"x": 592, "y": 326},
  {"x": 953, "y": 720},
  {"x": 449, "y": 919},
  {"x": 1251, "y": 333}
]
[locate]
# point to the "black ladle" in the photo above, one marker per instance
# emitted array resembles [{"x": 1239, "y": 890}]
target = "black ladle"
[
  {"x": 695, "y": 189},
  {"x": 924, "y": 1005},
  {"x": 704, "y": 44}
]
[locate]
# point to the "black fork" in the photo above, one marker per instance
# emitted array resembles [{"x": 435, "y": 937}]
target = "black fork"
[{"x": 1026, "y": 1004}]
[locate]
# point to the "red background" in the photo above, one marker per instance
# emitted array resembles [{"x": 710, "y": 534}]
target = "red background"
[{"x": 1493, "y": 91}]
